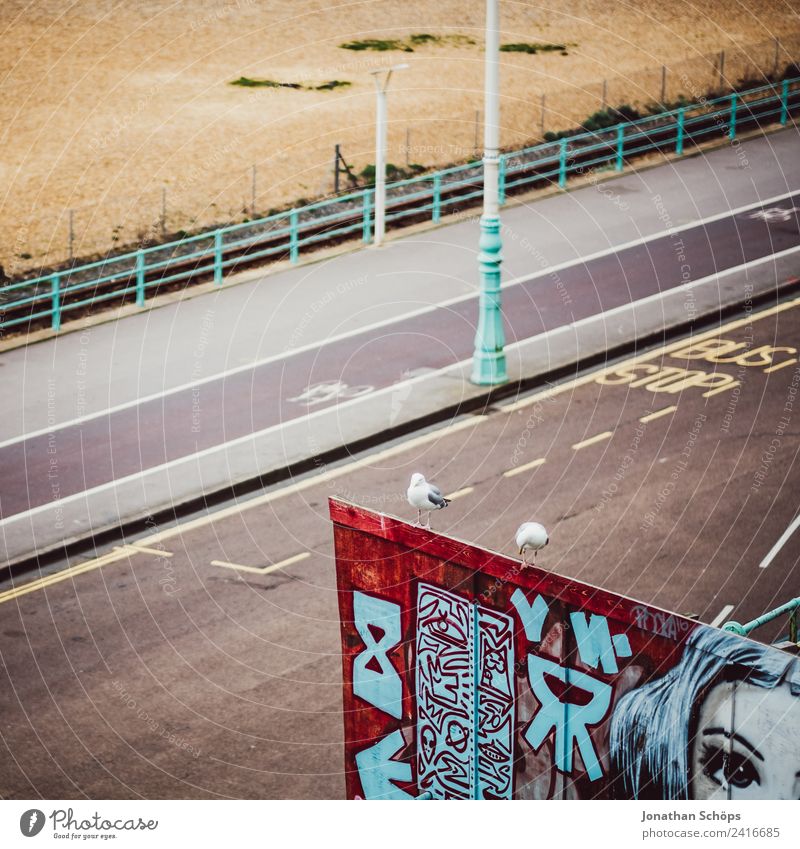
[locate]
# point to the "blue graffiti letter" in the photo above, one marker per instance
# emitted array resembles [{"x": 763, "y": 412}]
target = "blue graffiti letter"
[
  {"x": 374, "y": 678},
  {"x": 570, "y": 721},
  {"x": 377, "y": 770},
  {"x": 595, "y": 643},
  {"x": 532, "y": 615}
]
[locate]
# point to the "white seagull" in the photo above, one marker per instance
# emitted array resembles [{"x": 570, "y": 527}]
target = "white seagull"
[
  {"x": 425, "y": 496},
  {"x": 531, "y": 536}
]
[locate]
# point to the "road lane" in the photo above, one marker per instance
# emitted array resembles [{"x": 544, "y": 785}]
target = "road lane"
[
  {"x": 128, "y": 441},
  {"x": 159, "y": 671}
]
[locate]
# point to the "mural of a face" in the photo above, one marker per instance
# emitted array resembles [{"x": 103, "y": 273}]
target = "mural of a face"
[{"x": 761, "y": 760}]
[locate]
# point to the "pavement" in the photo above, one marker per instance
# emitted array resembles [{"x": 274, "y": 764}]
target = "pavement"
[
  {"x": 219, "y": 394},
  {"x": 202, "y": 659}
]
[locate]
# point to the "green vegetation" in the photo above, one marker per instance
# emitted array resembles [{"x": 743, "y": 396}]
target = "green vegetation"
[
  {"x": 605, "y": 118},
  {"x": 527, "y": 47},
  {"x": 393, "y": 172},
  {"x": 249, "y": 82},
  {"x": 407, "y": 45},
  {"x": 332, "y": 84},
  {"x": 791, "y": 70},
  {"x": 380, "y": 44},
  {"x": 424, "y": 38}
]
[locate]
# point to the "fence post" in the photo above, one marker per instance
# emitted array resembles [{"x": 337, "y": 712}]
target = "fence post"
[
  {"x": 367, "y": 224},
  {"x": 562, "y": 165},
  {"x": 218, "y": 257},
  {"x": 501, "y": 180},
  {"x": 732, "y": 130},
  {"x": 55, "y": 285},
  {"x": 785, "y": 102},
  {"x": 140, "y": 278},
  {"x": 436, "y": 212},
  {"x": 620, "y": 145},
  {"x": 541, "y": 117},
  {"x": 679, "y": 139},
  {"x": 293, "y": 246}
]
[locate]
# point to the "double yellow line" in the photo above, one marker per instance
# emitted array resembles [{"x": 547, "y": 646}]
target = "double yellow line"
[{"x": 118, "y": 553}]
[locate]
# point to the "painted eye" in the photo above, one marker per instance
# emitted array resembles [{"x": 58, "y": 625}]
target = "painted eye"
[
  {"x": 741, "y": 771},
  {"x": 734, "y": 768}
]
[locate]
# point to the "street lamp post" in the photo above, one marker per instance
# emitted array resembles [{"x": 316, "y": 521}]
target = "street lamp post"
[
  {"x": 381, "y": 86},
  {"x": 489, "y": 361}
]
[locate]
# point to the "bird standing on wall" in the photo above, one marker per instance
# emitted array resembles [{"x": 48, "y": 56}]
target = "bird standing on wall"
[
  {"x": 531, "y": 536},
  {"x": 425, "y": 496}
]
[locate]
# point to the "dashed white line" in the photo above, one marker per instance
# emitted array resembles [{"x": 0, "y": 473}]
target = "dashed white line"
[
  {"x": 773, "y": 552},
  {"x": 721, "y": 616}
]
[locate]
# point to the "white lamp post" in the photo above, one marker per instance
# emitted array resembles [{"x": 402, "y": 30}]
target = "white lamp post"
[
  {"x": 489, "y": 361},
  {"x": 381, "y": 86}
]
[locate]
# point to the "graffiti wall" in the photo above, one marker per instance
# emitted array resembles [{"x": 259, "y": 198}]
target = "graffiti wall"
[{"x": 468, "y": 677}]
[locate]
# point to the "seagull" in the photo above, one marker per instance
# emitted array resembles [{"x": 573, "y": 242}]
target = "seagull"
[
  {"x": 425, "y": 496},
  {"x": 531, "y": 536}
]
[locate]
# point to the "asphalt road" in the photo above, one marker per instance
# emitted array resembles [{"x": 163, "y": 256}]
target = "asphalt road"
[
  {"x": 126, "y": 442},
  {"x": 203, "y": 660}
]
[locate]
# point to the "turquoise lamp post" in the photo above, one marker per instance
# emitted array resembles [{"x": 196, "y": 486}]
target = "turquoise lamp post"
[{"x": 489, "y": 361}]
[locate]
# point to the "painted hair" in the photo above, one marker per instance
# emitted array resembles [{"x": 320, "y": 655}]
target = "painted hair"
[{"x": 651, "y": 726}]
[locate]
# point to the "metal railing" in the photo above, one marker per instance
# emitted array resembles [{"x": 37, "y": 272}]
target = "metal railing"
[
  {"x": 131, "y": 277},
  {"x": 791, "y": 607}
]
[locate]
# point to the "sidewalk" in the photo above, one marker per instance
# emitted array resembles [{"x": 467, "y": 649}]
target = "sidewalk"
[{"x": 150, "y": 352}]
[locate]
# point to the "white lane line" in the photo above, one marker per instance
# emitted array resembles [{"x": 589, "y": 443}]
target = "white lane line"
[
  {"x": 657, "y": 415},
  {"x": 773, "y": 552},
  {"x": 600, "y": 437},
  {"x": 315, "y": 480},
  {"x": 721, "y": 616},
  {"x": 237, "y": 509},
  {"x": 412, "y": 314},
  {"x": 460, "y": 493},
  {"x": 520, "y": 469},
  {"x": 454, "y": 366},
  {"x": 264, "y": 570}
]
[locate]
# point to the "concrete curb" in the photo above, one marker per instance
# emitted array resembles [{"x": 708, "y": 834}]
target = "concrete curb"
[{"x": 130, "y": 507}]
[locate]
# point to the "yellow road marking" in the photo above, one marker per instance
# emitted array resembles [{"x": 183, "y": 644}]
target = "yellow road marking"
[
  {"x": 592, "y": 439},
  {"x": 263, "y": 570},
  {"x": 157, "y": 538},
  {"x": 460, "y": 492},
  {"x": 779, "y": 366},
  {"x": 652, "y": 355},
  {"x": 118, "y": 553},
  {"x": 518, "y": 470},
  {"x": 657, "y": 414},
  {"x": 238, "y": 509},
  {"x": 159, "y": 552}
]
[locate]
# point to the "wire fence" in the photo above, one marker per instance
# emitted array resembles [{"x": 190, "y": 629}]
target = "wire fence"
[
  {"x": 135, "y": 275},
  {"x": 207, "y": 196}
]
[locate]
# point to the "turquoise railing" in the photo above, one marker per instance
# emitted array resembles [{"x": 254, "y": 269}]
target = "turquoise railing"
[
  {"x": 791, "y": 607},
  {"x": 287, "y": 234}
]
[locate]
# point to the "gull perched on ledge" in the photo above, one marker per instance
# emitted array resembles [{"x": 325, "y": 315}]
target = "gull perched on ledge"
[
  {"x": 425, "y": 496},
  {"x": 531, "y": 536}
]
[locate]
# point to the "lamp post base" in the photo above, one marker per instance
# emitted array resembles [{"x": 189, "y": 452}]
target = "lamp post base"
[{"x": 489, "y": 361}]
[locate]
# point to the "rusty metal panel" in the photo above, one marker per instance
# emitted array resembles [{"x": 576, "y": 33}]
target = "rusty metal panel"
[{"x": 466, "y": 676}]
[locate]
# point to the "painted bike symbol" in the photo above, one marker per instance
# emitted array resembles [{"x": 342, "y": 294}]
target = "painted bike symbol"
[
  {"x": 330, "y": 390},
  {"x": 775, "y": 214}
]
